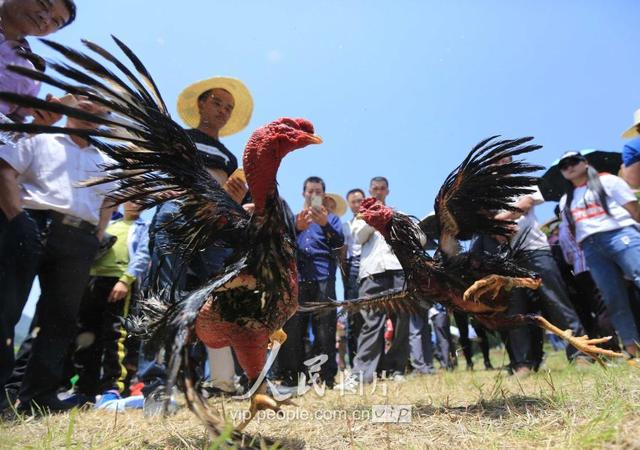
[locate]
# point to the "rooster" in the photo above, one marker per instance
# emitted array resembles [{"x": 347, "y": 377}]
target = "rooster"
[
  {"x": 462, "y": 281},
  {"x": 155, "y": 161}
]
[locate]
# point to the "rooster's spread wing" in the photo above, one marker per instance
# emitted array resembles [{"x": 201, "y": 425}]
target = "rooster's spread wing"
[
  {"x": 479, "y": 187},
  {"x": 155, "y": 160}
]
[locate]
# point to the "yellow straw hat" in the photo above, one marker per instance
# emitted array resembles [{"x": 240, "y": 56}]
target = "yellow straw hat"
[
  {"x": 188, "y": 103},
  {"x": 633, "y": 131},
  {"x": 341, "y": 205}
]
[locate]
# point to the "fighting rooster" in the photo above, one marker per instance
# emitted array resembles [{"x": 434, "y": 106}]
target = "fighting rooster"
[
  {"x": 154, "y": 161},
  {"x": 476, "y": 284}
]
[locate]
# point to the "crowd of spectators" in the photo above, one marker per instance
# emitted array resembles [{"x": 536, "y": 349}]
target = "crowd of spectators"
[{"x": 94, "y": 262}]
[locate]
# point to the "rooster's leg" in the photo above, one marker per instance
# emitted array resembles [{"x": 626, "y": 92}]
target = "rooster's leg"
[
  {"x": 261, "y": 400},
  {"x": 490, "y": 286},
  {"x": 582, "y": 343}
]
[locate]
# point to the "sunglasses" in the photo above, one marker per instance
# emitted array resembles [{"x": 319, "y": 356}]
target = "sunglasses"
[{"x": 569, "y": 162}]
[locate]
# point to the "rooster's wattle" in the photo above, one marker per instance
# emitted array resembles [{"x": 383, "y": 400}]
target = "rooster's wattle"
[{"x": 155, "y": 161}]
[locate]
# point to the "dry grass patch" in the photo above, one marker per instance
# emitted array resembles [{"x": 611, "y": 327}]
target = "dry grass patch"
[{"x": 560, "y": 407}]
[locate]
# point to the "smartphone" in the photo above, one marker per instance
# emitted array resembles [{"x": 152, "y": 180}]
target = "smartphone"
[{"x": 316, "y": 201}]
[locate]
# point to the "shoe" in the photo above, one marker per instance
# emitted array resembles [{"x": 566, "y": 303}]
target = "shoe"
[
  {"x": 45, "y": 404},
  {"x": 8, "y": 399},
  {"x": 75, "y": 398},
  {"x": 398, "y": 378},
  {"x": 351, "y": 384},
  {"x": 136, "y": 389},
  {"x": 109, "y": 400}
]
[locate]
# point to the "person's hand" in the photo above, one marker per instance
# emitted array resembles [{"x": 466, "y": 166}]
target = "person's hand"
[
  {"x": 42, "y": 117},
  {"x": 236, "y": 188},
  {"x": 505, "y": 215},
  {"x": 119, "y": 291},
  {"x": 319, "y": 215},
  {"x": 249, "y": 207},
  {"x": 303, "y": 220}
]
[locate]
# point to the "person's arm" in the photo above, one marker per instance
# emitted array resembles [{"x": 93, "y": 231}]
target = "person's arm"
[
  {"x": 633, "y": 209},
  {"x": 138, "y": 265},
  {"x": 631, "y": 174},
  {"x": 333, "y": 232},
  {"x": 9, "y": 191},
  {"x": 139, "y": 261},
  {"x": 631, "y": 164},
  {"x": 525, "y": 203},
  {"x": 619, "y": 190},
  {"x": 361, "y": 231},
  {"x": 106, "y": 210}
]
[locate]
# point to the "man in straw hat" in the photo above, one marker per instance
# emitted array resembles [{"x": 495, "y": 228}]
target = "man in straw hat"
[
  {"x": 212, "y": 108},
  {"x": 631, "y": 153}
]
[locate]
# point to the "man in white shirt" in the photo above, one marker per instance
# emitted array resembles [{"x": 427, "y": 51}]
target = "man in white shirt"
[
  {"x": 380, "y": 271},
  {"x": 50, "y": 228},
  {"x": 525, "y": 343}
]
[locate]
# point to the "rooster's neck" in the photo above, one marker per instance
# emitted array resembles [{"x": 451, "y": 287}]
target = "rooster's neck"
[{"x": 261, "y": 168}]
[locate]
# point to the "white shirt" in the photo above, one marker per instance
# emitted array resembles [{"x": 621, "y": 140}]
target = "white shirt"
[
  {"x": 353, "y": 248},
  {"x": 377, "y": 256},
  {"x": 51, "y": 168},
  {"x": 590, "y": 217},
  {"x": 528, "y": 223}
]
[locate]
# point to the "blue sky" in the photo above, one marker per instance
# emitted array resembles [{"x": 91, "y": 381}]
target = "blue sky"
[{"x": 401, "y": 89}]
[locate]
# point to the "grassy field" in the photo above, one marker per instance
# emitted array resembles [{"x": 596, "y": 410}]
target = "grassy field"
[{"x": 559, "y": 407}]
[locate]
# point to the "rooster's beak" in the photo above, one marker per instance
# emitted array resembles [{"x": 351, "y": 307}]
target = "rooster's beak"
[
  {"x": 359, "y": 216},
  {"x": 314, "y": 139}
]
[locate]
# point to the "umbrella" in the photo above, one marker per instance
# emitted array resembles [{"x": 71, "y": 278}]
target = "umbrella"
[{"x": 552, "y": 183}]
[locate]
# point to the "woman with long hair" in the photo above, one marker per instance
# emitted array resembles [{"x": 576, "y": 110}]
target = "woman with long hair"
[{"x": 602, "y": 213}]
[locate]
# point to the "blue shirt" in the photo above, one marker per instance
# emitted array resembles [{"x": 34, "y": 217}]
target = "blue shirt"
[
  {"x": 631, "y": 152},
  {"x": 316, "y": 244}
]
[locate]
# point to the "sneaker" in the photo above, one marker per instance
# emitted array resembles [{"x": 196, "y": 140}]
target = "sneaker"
[
  {"x": 351, "y": 384},
  {"x": 75, "y": 398},
  {"x": 108, "y": 400},
  {"x": 398, "y": 378},
  {"x": 45, "y": 404}
]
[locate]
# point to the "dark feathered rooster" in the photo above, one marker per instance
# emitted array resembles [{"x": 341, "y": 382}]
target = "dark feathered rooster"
[
  {"x": 155, "y": 161},
  {"x": 476, "y": 284}
]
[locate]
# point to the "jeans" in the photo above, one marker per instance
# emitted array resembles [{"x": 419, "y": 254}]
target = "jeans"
[
  {"x": 612, "y": 256},
  {"x": 420, "y": 345}
]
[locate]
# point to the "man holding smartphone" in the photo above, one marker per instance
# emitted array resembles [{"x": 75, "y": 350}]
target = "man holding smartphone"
[{"x": 319, "y": 234}]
